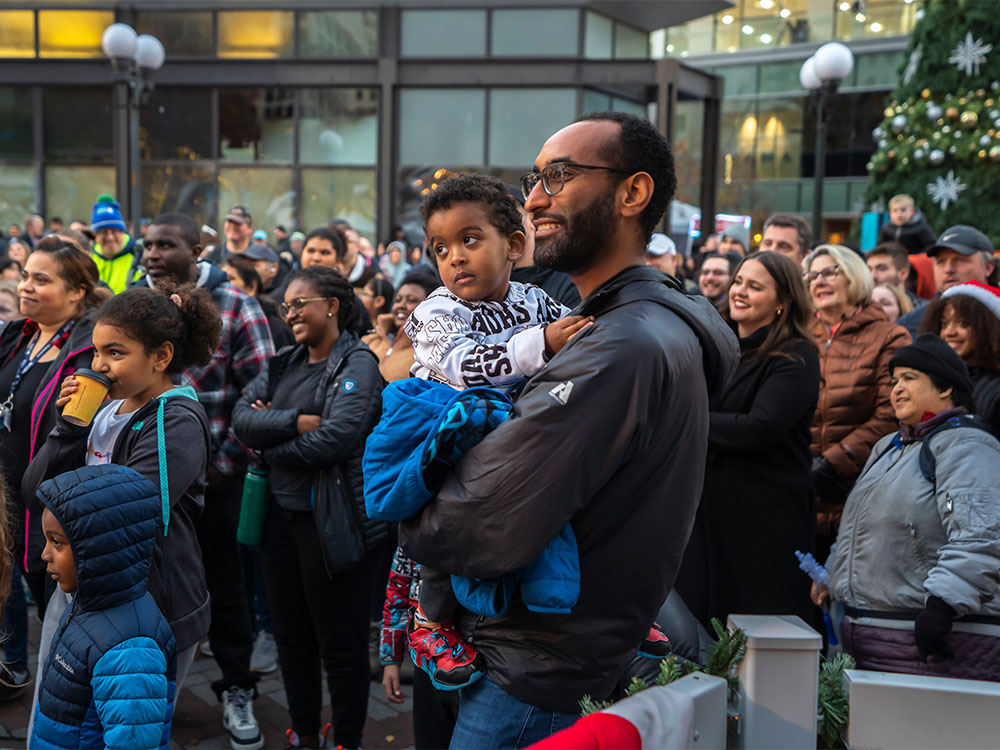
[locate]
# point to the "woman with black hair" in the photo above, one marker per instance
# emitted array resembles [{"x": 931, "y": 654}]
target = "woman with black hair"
[
  {"x": 967, "y": 317},
  {"x": 308, "y": 414},
  {"x": 757, "y": 505}
]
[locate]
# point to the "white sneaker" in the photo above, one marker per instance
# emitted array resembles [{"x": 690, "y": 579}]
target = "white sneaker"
[
  {"x": 264, "y": 658},
  {"x": 239, "y": 721},
  {"x": 206, "y": 648}
]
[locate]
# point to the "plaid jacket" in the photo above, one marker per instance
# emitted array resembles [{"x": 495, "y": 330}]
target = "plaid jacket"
[{"x": 244, "y": 347}]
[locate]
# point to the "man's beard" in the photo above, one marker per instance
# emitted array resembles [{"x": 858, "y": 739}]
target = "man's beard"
[{"x": 582, "y": 240}]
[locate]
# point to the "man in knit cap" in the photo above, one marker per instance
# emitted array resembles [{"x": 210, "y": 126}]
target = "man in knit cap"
[{"x": 115, "y": 252}]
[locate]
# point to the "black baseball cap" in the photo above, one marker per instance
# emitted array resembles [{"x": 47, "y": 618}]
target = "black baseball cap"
[
  {"x": 260, "y": 251},
  {"x": 963, "y": 239},
  {"x": 240, "y": 215}
]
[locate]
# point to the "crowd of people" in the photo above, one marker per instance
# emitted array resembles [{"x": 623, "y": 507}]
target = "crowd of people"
[{"x": 505, "y": 447}]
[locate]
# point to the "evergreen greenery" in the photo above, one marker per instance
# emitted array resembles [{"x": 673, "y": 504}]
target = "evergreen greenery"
[{"x": 832, "y": 701}]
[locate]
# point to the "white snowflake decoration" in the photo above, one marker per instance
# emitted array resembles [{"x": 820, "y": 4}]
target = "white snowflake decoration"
[
  {"x": 945, "y": 190},
  {"x": 969, "y": 54},
  {"x": 913, "y": 64}
]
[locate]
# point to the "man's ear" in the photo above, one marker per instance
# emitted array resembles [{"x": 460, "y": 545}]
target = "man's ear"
[
  {"x": 515, "y": 246},
  {"x": 638, "y": 193}
]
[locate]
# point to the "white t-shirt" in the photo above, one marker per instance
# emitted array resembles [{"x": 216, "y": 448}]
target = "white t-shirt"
[{"x": 108, "y": 424}]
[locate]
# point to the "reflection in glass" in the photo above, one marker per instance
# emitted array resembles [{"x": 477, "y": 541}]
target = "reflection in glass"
[
  {"x": 443, "y": 33},
  {"x": 338, "y": 33},
  {"x": 266, "y": 192},
  {"x": 329, "y": 194},
  {"x": 522, "y": 119},
  {"x": 172, "y": 124},
  {"x": 737, "y": 139},
  {"x": 878, "y": 69},
  {"x": 256, "y": 33},
  {"x": 598, "y": 37},
  {"x": 780, "y": 77},
  {"x": 738, "y": 79},
  {"x": 77, "y": 123},
  {"x": 688, "y": 140},
  {"x": 18, "y": 194},
  {"x": 595, "y": 101},
  {"x": 442, "y": 126},
  {"x": 627, "y": 105},
  {"x": 256, "y": 125},
  {"x": 16, "y": 138},
  {"x": 630, "y": 43},
  {"x": 779, "y": 141},
  {"x": 535, "y": 32},
  {"x": 17, "y": 33},
  {"x": 72, "y": 33},
  {"x": 183, "y": 33},
  {"x": 185, "y": 188},
  {"x": 70, "y": 192},
  {"x": 338, "y": 126}
]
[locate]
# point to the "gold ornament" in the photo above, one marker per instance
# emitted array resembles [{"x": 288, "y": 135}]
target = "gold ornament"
[
  {"x": 995, "y": 153},
  {"x": 988, "y": 102},
  {"x": 889, "y": 112},
  {"x": 940, "y": 121},
  {"x": 951, "y": 112},
  {"x": 922, "y": 142},
  {"x": 980, "y": 93},
  {"x": 892, "y": 154},
  {"x": 969, "y": 118},
  {"x": 963, "y": 101},
  {"x": 926, "y": 94},
  {"x": 982, "y": 153}
]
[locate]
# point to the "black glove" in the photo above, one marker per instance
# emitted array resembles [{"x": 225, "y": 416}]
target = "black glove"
[
  {"x": 932, "y": 627},
  {"x": 825, "y": 479}
]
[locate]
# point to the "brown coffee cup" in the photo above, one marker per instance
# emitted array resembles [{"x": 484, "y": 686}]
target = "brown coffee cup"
[{"x": 91, "y": 389}]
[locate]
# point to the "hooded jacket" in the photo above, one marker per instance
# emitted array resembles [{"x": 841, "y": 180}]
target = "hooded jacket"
[
  {"x": 109, "y": 679},
  {"x": 610, "y": 437},
  {"x": 167, "y": 441},
  {"x": 915, "y": 235}
]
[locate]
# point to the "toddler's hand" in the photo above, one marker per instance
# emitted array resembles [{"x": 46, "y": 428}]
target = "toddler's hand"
[
  {"x": 558, "y": 334},
  {"x": 69, "y": 387}
]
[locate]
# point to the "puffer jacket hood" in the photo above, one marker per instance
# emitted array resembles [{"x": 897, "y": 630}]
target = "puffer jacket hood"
[
  {"x": 110, "y": 514},
  {"x": 720, "y": 347}
]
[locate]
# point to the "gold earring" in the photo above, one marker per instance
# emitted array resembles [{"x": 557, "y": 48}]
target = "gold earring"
[
  {"x": 780, "y": 310},
  {"x": 329, "y": 315}
]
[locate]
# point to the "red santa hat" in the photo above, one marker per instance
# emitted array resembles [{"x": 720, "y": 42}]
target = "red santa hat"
[{"x": 983, "y": 293}]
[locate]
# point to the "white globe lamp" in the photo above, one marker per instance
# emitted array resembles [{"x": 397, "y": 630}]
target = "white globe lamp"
[
  {"x": 834, "y": 62},
  {"x": 149, "y": 53},
  {"x": 808, "y": 77}
]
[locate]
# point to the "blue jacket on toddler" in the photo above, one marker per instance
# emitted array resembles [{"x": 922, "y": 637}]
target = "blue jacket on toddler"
[
  {"x": 425, "y": 429},
  {"x": 108, "y": 681}
]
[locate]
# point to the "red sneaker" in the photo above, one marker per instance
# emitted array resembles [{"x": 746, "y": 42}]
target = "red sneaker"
[
  {"x": 655, "y": 645},
  {"x": 441, "y": 653}
]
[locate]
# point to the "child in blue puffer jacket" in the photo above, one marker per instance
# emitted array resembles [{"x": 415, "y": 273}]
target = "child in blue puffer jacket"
[{"x": 109, "y": 677}]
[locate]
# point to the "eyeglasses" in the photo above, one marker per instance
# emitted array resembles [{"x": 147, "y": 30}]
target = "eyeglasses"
[
  {"x": 553, "y": 176},
  {"x": 296, "y": 305},
  {"x": 829, "y": 273}
]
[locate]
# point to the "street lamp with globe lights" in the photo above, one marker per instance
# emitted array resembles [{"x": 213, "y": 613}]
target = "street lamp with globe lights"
[
  {"x": 134, "y": 57},
  {"x": 821, "y": 76}
]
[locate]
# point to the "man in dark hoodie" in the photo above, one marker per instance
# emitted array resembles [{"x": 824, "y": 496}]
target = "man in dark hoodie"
[
  {"x": 171, "y": 255},
  {"x": 611, "y": 437},
  {"x": 907, "y": 226}
]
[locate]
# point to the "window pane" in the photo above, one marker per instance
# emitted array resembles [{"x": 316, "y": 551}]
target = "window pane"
[
  {"x": 597, "y": 36},
  {"x": 16, "y": 139},
  {"x": 442, "y": 126},
  {"x": 443, "y": 33},
  {"x": 694, "y": 37},
  {"x": 522, "y": 119},
  {"x": 267, "y": 193},
  {"x": 737, "y": 139},
  {"x": 630, "y": 43},
  {"x": 256, "y": 125},
  {"x": 256, "y": 33},
  {"x": 173, "y": 124},
  {"x": 779, "y": 142},
  {"x": 338, "y": 33},
  {"x": 185, "y": 188},
  {"x": 70, "y": 192},
  {"x": 627, "y": 105},
  {"x": 541, "y": 33},
  {"x": 339, "y": 194},
  {"x": 879, "y": 69},
  {"x": 18, "y": 195},
  {"x": 338, "y": 126},
  {"x": 17, "y": 33},
  {"x": 595, "y": 101},
  {"x": 72, "y": 33},
  {"x": 780, "y": 77},
  {"x": 77, "y": 124},
  {"x": 184, "y": 34},
  {"x": 687, "y": 145},
  {"x": 739, "y": 79}
]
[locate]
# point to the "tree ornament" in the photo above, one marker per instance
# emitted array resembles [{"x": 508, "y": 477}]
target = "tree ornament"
[
  {"x": 946, "y": 129},
  {"x": 995, "y": 85},
  {"x": 945, "y": 190},
  {"x": 889, "y": 112},
  {"x": 994, "y": 113},
  {"x": 982, "y": 154},
  {"x": 934, "y": 112},
  {"x": 951, "y": 113},
  {"x": 892, "y": 154},
  {"x": 969, "y": 54},
  {"x": 936, "y": 136},
  {"x": 981, "y": 93},
  {"x": 904, "y": 161},
  {"x": 919, "y": 15},
  {"x": 995, "y": 153},
  {"x": 969, "y": 118},
  {"x": 919, "y": 154},
  {"x": 937, "y": 157},
  {"x": 912, "y": 64},
  {"x": 877, "y": 133},
  {"x": 952, "y": 150},
  {"x": 985, "y": 140},
  {"x": 925, "y": 94},
  {"x": 898, "y": 123}
]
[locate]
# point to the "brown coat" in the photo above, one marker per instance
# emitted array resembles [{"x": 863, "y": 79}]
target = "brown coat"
[{"x": 853, "y": 411}]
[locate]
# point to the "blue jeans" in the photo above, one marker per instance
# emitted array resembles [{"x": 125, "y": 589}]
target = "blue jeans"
[{"x": 489, "y": 718}]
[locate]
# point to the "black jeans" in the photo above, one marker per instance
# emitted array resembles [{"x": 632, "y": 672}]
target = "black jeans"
[
  {"x": 230, "y": 633},
  {"x": 434, "y": 713},
  {"x": 318, "y": 620}
]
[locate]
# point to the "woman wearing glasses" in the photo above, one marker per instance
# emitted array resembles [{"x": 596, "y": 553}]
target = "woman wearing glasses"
[
  {"x": 308, "y": 414},
  {"x": 856, "y": 341}
]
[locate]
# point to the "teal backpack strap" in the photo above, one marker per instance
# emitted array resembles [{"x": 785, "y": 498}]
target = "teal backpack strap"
[{"x": 161, "y": 452}]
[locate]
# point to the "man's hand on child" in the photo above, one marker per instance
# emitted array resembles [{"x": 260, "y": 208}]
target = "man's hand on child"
[
  {"x": 259, "y": 405},
  {"x": 559, "y": 333},
  {"x": 390, "y": 682}
]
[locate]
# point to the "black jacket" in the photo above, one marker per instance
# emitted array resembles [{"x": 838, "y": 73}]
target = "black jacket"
[
  {"x": 986, "y": 397},
  {"x": 558, "y": 285},
  {"x": 351, "y": 394},
  {"x": 758, "y": 505},
  {"x": 176, "y": 578},
  {"x": 915, "y": 235},
  {"x": 611, "y": 437}
]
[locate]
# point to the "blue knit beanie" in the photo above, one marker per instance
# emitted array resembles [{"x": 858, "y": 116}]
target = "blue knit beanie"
[{"x": 107, "y": 214}]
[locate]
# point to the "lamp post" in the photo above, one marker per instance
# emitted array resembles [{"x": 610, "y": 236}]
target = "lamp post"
[
  {"x": 133, "y": 57},
  {"x": 821, "y": 75}
]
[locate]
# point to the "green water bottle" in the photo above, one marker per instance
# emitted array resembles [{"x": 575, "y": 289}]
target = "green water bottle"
[{"x": 251, "y": 526}]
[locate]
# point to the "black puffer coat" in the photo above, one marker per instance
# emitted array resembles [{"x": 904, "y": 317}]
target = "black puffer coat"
[
  {"x": 351, "y": 394},
  {"x": 986, "y": 397}
]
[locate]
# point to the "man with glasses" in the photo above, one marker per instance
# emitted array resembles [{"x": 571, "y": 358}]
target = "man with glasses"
[
  {"x": 611, "y": 436},
  {"x": 172, "y": 247}
]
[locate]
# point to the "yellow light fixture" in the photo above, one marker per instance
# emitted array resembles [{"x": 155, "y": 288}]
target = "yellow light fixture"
[
  {"x": 255, "y": 33},
  {"x": 17, "y": 33},
  {"x": 72, "y": 33}
]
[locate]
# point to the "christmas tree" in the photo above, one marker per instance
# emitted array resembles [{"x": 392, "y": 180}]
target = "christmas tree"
[{"x": 940, "y": 139}]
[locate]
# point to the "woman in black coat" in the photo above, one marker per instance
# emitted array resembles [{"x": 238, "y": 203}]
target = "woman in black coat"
[{"x": 757, "y": 506}]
